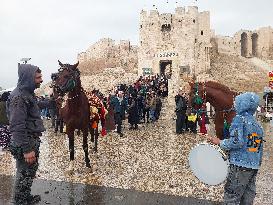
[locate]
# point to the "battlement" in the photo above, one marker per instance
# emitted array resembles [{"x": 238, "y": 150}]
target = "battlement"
[{"x": 179, "y": 11}]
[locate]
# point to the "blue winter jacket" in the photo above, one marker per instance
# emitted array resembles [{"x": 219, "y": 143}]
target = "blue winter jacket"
[
  {"x": 245, "y": 144},
  {"x": 119, "y": 107}
]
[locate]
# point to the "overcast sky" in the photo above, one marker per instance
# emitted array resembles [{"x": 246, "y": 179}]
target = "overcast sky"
[{"x": 48, "y": 30}]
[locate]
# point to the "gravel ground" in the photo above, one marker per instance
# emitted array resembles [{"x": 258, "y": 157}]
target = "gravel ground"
[{"x": 151, "y": 159}]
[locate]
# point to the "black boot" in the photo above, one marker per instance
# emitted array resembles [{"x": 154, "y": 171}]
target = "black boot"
[{"x": 33, "y": 199}]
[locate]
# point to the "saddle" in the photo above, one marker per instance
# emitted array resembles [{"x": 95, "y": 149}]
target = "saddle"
[{"x": 97, "y": 109}]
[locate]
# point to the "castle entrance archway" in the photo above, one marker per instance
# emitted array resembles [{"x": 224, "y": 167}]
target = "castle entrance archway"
[{"x": 166, "y": 68}]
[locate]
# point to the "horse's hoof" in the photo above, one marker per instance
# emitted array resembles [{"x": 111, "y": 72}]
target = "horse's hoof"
[
  {"x": 71, "y": 166},
  {"x": 88, "y": 165},
  {"x": 95, "y": 150},
  {"x": 69, "y": 172},
  {"x": 92, "y": 139}
]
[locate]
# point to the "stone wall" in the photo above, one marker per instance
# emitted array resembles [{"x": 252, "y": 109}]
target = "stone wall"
[
  {"x": 257, "y": 43},
  {"x": 107, "y": 54}
]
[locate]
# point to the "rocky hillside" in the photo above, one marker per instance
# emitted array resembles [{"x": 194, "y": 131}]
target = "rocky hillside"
[
  {"x": 107, "y": 53},
  {"x": 108, "y": 79},
  {"x": 238, "y": 73},
  {"x": 104, "y": 81}
]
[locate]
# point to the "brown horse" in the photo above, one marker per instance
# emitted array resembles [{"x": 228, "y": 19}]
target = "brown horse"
[
  {"x": 220, "y": 97},
  {"x": 75, "y": 112}
]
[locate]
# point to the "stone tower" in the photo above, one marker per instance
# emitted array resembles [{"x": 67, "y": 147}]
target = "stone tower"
[
  {"x": 178, "y": 42},
  {"x": 177, "y": 45}
]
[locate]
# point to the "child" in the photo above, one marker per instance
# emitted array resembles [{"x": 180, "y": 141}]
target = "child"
[{"x": 192, "y": 122}]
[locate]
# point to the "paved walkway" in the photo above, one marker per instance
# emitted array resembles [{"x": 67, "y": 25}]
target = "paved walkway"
[{"x": 64, "y": 193}]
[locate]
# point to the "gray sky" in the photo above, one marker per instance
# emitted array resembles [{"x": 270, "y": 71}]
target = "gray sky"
[{"x": 48, "y": 30}]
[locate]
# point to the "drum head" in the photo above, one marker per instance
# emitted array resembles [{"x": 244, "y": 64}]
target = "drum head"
[{"x": 208, "y": 165}]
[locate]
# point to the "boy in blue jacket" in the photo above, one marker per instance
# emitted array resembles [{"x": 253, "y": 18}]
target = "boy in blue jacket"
[{"x": 245, "y": 147}]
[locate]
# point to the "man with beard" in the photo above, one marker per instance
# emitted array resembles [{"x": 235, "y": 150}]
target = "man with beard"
[{"x": 26, "y": 127}]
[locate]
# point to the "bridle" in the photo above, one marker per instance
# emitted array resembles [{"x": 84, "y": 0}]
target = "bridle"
[
  {"x": 70, "y": 84},
  {"x": 203, "y": 97}
]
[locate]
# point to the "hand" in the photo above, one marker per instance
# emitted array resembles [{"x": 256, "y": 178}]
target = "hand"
[
  {"x": 214, "y": 140},
  {"x": 30, "y": 157}
]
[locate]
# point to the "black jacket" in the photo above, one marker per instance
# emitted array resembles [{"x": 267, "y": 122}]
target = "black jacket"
[
  {"x": 23, "y": 110},
  {"x": 181, "y": 103}
]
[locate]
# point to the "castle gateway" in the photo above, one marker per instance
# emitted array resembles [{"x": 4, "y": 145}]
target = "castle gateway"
[{"x": 174, "y": 42}]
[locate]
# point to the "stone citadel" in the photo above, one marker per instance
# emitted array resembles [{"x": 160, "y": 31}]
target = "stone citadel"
[{"x": 183, "y": 44}]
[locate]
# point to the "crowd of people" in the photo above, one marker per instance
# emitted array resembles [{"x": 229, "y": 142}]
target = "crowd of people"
[
  {"x": 5, "y": 134},
  {"x": 142, "y": 101}
]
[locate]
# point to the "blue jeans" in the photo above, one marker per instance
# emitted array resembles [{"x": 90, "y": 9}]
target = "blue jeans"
[
  {"x": 240, "y": 187},
  {"x": 152, "y": 114}
]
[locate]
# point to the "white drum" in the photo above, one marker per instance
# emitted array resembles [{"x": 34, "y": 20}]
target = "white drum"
[{"x": 209, "y": 163}]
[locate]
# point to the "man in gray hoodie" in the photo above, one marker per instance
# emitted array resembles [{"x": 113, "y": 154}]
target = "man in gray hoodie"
[{"x": 26, "y": 127}]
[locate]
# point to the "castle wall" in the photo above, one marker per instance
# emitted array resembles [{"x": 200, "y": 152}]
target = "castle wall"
[{"x": 257, "y": 43}]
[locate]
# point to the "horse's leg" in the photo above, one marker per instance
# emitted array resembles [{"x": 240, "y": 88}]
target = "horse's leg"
[
  {"x": 61, "y": 125},
  {"x": 57, "y": 123},
  {"x": 70, "y": 133},
  {"x": 78, "y": 132},
  {"x": 85, "y": 148},
  {"x": 92, "y": 134},
  {"x": 96, "y": 133},
  {"x": 219, "y": 125}
]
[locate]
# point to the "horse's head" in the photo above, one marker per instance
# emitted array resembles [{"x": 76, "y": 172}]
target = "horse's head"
[
  {"x": 197, "y": 94},
  {"x": 67, "y": 78}
]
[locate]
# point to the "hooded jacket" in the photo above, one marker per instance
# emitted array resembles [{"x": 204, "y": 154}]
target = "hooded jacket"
[
  {"x": 23, "y": 111},
  {"x": 245, "y": 144}
]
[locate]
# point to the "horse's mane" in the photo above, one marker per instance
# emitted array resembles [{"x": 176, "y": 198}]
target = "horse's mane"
[{"x": 218, "y": 86}]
